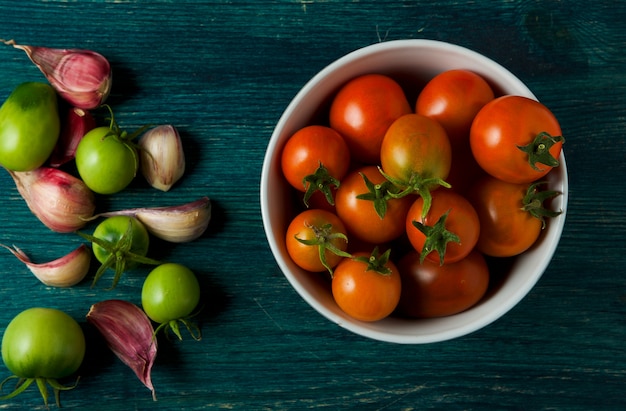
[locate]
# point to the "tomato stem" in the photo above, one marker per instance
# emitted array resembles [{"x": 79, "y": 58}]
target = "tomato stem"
[
  {"x": 119, "y": 254},
  {"x": 324, "y": 242},
  {"x": 539, "y": 150},
  {"x": 379, "y": 194},
  {"x": 415, "y": 185},
  {"x": 321, "y": 180},
  {"x": 533, "y": 202},
  {"x": 376, "y": 262},
  {"x": 437, "y": 237}
]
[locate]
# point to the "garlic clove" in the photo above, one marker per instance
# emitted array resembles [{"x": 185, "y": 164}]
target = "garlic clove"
[
  {"x": 81, "y": 77},
  {"x": 61, "y": 201},
  {"x": 129, "y": 334},
  {"x": 77, "y": 123},
  {"x": 162, "y": 156},
  {"x": 65, "y": 271},
  {"x": 176, "y": 224}
]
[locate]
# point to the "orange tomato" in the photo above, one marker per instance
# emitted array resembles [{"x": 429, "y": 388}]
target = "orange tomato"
[{"x": 366, "y": 294}]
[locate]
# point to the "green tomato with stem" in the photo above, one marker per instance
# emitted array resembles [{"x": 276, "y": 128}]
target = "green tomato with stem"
[
  {"x": 42, "y": 345},
  {"x": 120, "y": 243},
  {"x": 169, "y": 295},
  {"x": 107, "y": 159}
]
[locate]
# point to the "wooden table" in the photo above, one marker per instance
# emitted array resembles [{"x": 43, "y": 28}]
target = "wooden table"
[{"x": 223, "y": 72}]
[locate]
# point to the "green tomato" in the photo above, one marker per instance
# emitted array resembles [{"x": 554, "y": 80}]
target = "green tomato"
[
  {"x": 106, "y": 161},
  {"x": 170, "y": 292},
  {"x": 169, "y": 295},
  {"x": 29, "y": 126},
  {"x": 121, "y": 243},
  {"x": 42, "y": 345}
]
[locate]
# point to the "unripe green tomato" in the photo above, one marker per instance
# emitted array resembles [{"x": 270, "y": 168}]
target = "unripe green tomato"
[
  {"x": 105, "y": 162},
  {"x": 29, "y": 126},
  {"x": 114, "y": 230},
  {"x": 170, "y": 292},
  {"x": 43, "y": 343}
]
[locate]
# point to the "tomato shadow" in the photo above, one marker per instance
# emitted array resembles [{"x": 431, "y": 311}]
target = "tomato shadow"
[{"x": 98, "y": 356}]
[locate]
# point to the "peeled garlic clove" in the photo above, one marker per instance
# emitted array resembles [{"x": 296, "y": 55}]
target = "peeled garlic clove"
[
  {"x": 61, "y": 201},
  {"x": 162, "y": 157},
  {"x": 129, "y": 334},
  {"x": 81, "y": 77},
  {"x": 77, "y": 123},
  {"x": 176, "y": 224},
  {"x": 65, "y": 271}
]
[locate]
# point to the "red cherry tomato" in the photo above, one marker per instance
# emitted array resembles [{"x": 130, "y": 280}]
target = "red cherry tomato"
[
  {"x": 363, "y": 292},
  {"x": 516, "y": 139},
  {"x": 360, "y": 215},
  {"x": 510, "y": 221},
  {"x": 362, "y": 111},
  {"x": 453, "y": 98},
  {"x": 451, "y": 227},
  {"x": 310, "y": 147},
  {"x": 433, "y": 290},
  {"x": 313, "y": 231}
]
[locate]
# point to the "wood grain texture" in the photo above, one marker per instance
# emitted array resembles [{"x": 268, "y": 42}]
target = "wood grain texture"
[{"x": 223, "y": 72}]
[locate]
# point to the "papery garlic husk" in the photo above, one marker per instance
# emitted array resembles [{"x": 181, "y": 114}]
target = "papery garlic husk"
[
  {"x": 129, "y": 334},
  {"x": 176, "y": 224},
  {"x": 65, "y": 271},
  {"x": 81, "y": 77},
  {"x": 62, "y": 202},
  {"x": 162, "y": 157},
  {"x": 78, "y": 122}
]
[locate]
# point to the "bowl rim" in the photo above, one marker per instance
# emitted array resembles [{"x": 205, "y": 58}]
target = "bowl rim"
[{"x": 370, "y": 330}]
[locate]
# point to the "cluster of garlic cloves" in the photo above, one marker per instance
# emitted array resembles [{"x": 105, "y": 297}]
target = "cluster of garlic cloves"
[
  {"x": 81, "y": 77},
  {"x": 162, "y": 157}
]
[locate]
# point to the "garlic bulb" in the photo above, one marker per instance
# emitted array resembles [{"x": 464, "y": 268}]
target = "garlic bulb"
[
  {"x": 65, "y": 271},
  {"x": 61, "y": 201},
  {"x": 162, "y": 157},
  {"x": 81, "y": 77}
]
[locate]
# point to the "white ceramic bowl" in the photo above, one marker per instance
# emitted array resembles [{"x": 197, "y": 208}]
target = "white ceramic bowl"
[{"x": 412, "y": 61}]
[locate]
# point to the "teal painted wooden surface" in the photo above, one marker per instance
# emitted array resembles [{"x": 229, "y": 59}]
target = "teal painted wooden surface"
[{"x": 223, "y": 72}]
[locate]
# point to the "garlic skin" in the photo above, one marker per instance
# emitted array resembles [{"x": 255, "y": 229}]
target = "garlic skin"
[
  {"x": 78, "y": 122},
  {"x": 176, "y": 224},
  {"x": 129, "y": 334},
  {"x": 62, "y": 202},
  {"x": 63, "y": 272},
  {"x": 81, "y": 77},
  {"x": 162, "y": 156}
]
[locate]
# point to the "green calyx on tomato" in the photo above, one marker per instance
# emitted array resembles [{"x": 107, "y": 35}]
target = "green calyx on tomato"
[
  {"x": 324, "y": 236},
  {"x": 416, "y": 184},
  {"x": 437, "y": 237},
  {"x": 534, "y": 199},
  {"x": 376, "y": 262},
  {"x": 539, "y": 150},
  {"x": 321, "y": 181},
  {"x": 120, "y": 243},
  {"x": 378, "y": 193}
]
